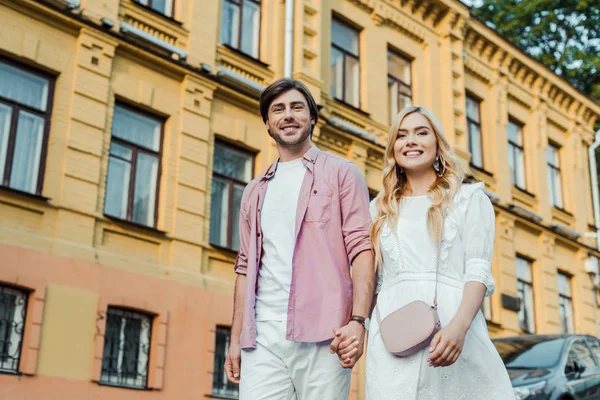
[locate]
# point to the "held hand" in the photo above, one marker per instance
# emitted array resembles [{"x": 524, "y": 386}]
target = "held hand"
[
  {"x": 232, "y": 362},
  {"x": 348, "y": 343},
  {"x": 446, "y": 346}
]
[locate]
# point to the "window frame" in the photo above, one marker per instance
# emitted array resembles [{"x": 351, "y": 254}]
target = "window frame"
[
  {"x": 521, "y": 286},
  {"x": 345, "y": 54},
  {"x": 149, "y": 5},
  {"x": 151, "y": 318},
  {"x": 399, "y": 81},
  {"x": 562, "y": 298},
  {"x": 219, "y": 360},
  {"x": 19, "y": 356},
  {"x": 135, "y": 148},
  {"x": 231, "y": 182},
  {"x": 556, "y": 174},
  {"x": 470, "y": 121},
  {"x": 521, "y": 150},
  {"x": 16, "y": 109},
  {"x": 240, "y": 5}
]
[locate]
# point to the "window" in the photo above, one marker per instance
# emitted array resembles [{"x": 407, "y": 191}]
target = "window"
[
  {"x": 133, "y": 167},
  {"x": 345, "y": 68},
  {"x": 126, "y": 348},
  {"x": 580, "y": 352},
  {"x": 13, "y": 306},
  {"x": 162, "y": 6},
  {"x": 525, "y": 294},
  {"x": 565, "y": 303},
  {"x": 516, "y": 162},
  {"x": 399, "y": 83},
  {"x": 554, "y": 179},
  {"x": 221, "y": 386},
  {"x": 474, "y": 130},
  {"x": 240, "y": 25},
  {"x": 232, "y": 170},
  {"x": 25, "y": 99},
  {"x": 595, "y": 347}
]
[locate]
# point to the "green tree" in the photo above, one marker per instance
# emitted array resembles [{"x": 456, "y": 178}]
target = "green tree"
[{"x": 562, "y": 34}]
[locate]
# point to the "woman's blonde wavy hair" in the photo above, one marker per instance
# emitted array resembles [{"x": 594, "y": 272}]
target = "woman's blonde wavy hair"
[{"x": 395, "y": 184}]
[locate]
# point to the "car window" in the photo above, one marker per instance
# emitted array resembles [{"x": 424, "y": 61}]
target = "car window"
[
  {"x": 580, "y": 352},
  {"x": 530, "y": 352},
  {"x": 595, "y": 347}
]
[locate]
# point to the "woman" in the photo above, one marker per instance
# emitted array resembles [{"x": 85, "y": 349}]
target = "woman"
[{"x": 424, "y": 203}]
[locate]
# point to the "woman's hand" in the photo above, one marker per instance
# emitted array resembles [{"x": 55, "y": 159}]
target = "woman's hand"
[{"x": 447, "y": 344}]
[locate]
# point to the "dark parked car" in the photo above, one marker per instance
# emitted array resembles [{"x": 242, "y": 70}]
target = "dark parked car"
[{"x": 552, "y": 367}]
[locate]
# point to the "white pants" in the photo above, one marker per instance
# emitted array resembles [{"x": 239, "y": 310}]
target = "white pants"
[{"x": 279, "y": 369}]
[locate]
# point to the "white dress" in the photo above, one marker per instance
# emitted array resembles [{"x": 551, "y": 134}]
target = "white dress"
[{"x": 465, "y": 255}]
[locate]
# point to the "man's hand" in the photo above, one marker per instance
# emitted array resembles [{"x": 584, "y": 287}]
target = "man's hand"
[
  {"x": 348, "y": 343},
  {"x": 446, "y": 346},
  {"x": 232, "y": 362}
]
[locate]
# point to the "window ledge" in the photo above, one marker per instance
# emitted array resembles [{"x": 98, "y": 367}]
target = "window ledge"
[
  {"x": 481, "y": 169},
  {"x": 226, "y": 250},
  {"x": 484, "y": 176},
  {"x": 244, "y": 65},
  {"x": 126, "y": 223},
  {"x": 157, "y": 13},
  {"x": 110, "y": 385},
  {"x": 523, "y": 197},
  {"x": 562, "y": 216},
  {"x": 353, "y": 108},
  {"x": 13, "y": 373},
  {"x": 18, "y": 192}
]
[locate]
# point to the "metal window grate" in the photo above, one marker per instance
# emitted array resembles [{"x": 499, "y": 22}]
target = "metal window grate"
[
  {"x": 13, "y": 306},
  {"x": 126, "y": 348},
  {"x": 221, "y": 386}
]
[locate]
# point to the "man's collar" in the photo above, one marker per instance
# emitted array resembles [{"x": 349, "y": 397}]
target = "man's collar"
[{"x": 310, "y": 157}]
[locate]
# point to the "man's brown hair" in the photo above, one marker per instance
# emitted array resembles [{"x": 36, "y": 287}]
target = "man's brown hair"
[{"x": 282, "y": 86}]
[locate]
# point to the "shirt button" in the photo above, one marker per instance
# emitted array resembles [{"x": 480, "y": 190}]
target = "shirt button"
[
  {"x": 258, "y": 234},
  {"x": 259, "y": 210},
  {"x": 315, "y": 192}
]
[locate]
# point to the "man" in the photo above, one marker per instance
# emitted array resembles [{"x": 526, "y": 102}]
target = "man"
[{"x": 302, "y": 223}]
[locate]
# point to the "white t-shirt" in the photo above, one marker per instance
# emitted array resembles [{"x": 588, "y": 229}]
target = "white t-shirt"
[{"x": 278, "y": 223}]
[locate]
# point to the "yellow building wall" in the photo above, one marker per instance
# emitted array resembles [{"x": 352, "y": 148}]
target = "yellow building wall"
[{"x": 95, "y": 67}]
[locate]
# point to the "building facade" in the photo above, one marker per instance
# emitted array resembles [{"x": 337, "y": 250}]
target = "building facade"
[{"x": 129, "y": 128}]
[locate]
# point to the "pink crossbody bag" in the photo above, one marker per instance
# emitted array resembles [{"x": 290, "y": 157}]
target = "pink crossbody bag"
[{"x": 412, "y": 327}]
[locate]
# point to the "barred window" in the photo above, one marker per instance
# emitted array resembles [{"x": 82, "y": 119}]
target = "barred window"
[
  {"x": 221, "y": 386},
  {"x": 13, "y": 306},
  {"x": 126, "y": 348}
]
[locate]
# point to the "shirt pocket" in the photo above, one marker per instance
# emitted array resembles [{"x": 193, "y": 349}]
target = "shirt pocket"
[{"x": 319, "y": 205}]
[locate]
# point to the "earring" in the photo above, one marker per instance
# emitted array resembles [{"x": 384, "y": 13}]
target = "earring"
[{"x": 438, "y": 166}]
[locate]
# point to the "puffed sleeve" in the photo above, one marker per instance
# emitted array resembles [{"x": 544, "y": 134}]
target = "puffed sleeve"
[
  {"x": 478, "y": 239},
  {"x": 379, "y": 277}
]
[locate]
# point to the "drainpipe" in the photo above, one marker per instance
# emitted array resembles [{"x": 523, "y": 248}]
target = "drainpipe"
[
  {"x": 594, "y": 177},
  {"x": 596, "y": 201},
  {"x": 289, "y": 38}
]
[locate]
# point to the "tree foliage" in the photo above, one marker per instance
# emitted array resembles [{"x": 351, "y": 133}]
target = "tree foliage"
[{"x": 562, "y": 34}]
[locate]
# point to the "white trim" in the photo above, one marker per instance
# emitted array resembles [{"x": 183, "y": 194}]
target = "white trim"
[{"x": 128, "y": 28}]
